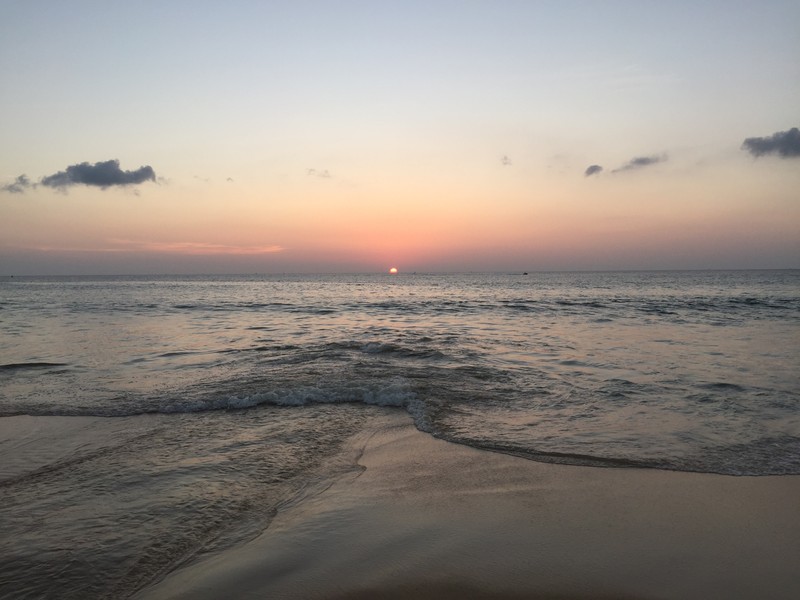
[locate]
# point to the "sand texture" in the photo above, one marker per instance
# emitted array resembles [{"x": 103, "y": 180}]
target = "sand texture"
[{"x": 426, "y": 518}]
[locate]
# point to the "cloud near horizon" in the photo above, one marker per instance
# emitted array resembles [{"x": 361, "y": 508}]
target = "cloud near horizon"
[
  {"x": 119, "y": 246},
  {"x": 104, "y": 175},
  {"x": 190, "y": 247},
  {"x": 785, "y": 144}
]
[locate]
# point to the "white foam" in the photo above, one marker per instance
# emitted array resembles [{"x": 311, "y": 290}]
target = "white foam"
[{"x": 391, "y": 392}]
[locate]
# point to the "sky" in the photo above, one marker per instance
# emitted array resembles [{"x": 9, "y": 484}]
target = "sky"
[{"x": 269, "y": 137}]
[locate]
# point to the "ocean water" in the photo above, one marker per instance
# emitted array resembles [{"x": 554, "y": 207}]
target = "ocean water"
[{"x": 190, "y": 409}]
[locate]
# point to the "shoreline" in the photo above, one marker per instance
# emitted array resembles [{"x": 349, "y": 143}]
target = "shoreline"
[{"x": 426, "y": 518}]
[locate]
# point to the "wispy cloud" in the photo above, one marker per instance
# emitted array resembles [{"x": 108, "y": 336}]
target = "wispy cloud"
[
  {"x": 592, "y": 170},
  {"x": 624, "y": 77},
  {"x": 104, "y": 175},
  {"x": 18, "y": 186},
  {"x": 640, "y": 162},
  {"x": 118, "y": 246},
  {"x": 785, "y": 144},
  {"x": 505, "y": 161},
  {"x": 321, "y": 173},
  {"x": 122, "y": 245}
]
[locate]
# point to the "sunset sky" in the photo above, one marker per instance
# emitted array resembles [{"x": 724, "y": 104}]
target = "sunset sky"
[{"x": 431, "y": 136}]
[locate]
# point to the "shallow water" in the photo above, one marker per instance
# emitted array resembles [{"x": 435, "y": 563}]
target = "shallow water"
[
  {"x": 131, "y": 498},
  {"x": 689, "y": 371}
]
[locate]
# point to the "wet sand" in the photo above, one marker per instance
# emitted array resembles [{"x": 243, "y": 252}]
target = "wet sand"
[{"x": 429, "y": 519}]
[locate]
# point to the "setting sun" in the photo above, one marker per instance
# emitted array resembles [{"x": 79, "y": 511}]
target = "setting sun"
[{"x": 393, "y": 271}]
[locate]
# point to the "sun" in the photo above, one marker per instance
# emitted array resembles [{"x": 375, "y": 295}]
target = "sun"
[{"x": 393, "y": 271}]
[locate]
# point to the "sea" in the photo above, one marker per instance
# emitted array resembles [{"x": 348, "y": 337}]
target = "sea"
[{"x": 150, "y": 420}]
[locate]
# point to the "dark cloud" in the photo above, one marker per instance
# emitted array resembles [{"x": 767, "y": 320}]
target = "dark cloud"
[
  {"x": 641, "y": 161},
  {"x": 102, "y": 174},
  {"x": 785, "y": 144},
  {"x": 18, "y": 186},
  {"x": 592, "y": 170}
]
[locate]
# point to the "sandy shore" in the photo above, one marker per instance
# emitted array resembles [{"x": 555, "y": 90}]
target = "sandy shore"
[{"x": 430, "y": 519}]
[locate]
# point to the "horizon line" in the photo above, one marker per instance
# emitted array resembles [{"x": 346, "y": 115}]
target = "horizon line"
[{"x": 400, "y": 272}]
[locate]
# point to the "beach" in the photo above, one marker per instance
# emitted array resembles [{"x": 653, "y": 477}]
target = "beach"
[
  {"x": 424, "y": 518},
  {"x": 463, "y": 435}
]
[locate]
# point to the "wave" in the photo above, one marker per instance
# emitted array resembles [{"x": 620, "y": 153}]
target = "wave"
[
  {"x": 31, "y": 365},
  {"x": 391, "y": 392},
  {"x": 768, "y": 456},
  {"x": 722, "y": 309},
  {"x": 721, "y": 386},
  {"x": 566, "y": 458}
]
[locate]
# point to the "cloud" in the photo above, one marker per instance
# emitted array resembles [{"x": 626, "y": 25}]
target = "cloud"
[
  {"x": 640, "y": 162},
  {"x": 318, "y": 173},
  {"x": 121, "y": 245},
  {"x": 592, "y": 170},
  {"x": 18, "y": 186},
  {"x": 785, "y": 144},
  {"x": 102, "y": 174},
  {"x": 506, "y": 161}
]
